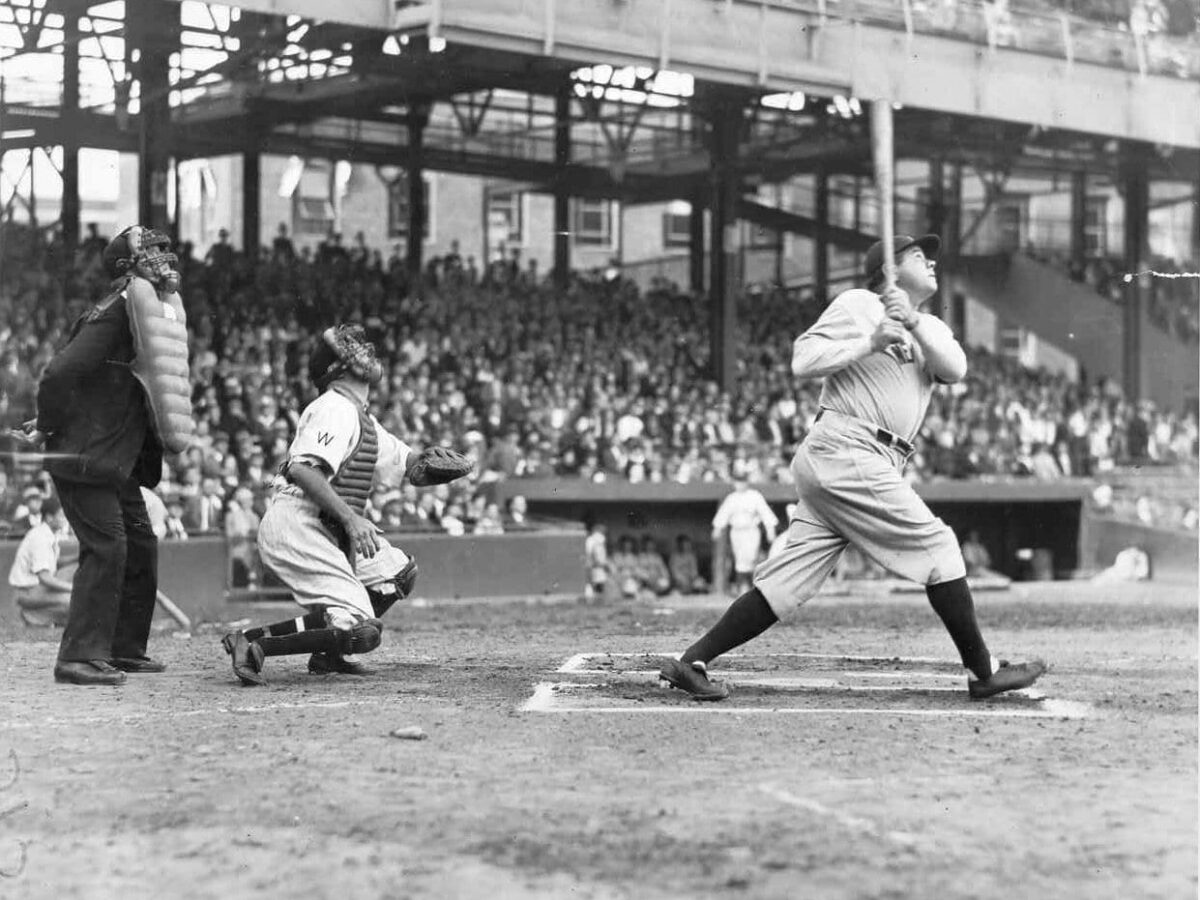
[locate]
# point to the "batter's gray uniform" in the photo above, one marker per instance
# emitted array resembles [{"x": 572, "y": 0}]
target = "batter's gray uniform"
[
  {"x": 848, "y": 469},
  {"x": 291, "y": 538}
]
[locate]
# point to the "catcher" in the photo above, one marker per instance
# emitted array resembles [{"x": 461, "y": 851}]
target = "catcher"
[{"x": 315, "y": 536}]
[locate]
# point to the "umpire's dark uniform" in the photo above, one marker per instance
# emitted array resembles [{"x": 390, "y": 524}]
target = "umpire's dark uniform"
[{"x": 95, "y": 415}]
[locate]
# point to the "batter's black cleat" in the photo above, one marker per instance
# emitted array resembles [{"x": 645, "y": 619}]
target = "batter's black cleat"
[
  {"x": 1009, "y": 677},
  {"x": 247, "y": 658},
  {"x": 692, "y": 678},
  {"x": 335, "y": 664}
]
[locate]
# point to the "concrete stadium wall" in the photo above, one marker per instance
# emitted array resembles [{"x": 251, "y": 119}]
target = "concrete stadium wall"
[
  {"x": 1173, "y": 555},
  {"x": 541, "y": 562}
]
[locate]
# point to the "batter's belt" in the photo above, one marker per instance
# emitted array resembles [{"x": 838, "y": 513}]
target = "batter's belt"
[{"x": 885, "y": 437}]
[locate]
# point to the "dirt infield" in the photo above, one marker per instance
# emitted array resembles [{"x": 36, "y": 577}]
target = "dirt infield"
[{"x": 846, "y": 763}]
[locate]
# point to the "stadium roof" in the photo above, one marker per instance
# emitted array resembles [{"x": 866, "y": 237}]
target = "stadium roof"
[{"x": 292, "y": 84}]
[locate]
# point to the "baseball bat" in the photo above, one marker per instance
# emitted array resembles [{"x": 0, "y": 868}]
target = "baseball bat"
[{"x": 884, "y": 159}]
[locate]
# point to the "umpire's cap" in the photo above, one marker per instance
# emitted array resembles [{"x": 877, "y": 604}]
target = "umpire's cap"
[
  {"x": 121, "y": 252},
  {"x": 873, "y": 266}
]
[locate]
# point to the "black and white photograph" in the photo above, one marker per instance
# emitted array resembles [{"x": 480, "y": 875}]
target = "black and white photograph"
[{"x": 599, "y": 449}]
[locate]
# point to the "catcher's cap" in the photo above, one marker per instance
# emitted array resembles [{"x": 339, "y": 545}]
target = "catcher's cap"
[
  {"x": 873, "y": 265},
  {"x": 121, "y": 251}
]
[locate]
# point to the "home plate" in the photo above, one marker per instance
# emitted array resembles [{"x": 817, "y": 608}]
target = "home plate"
[{"x": 788, "y": 683}]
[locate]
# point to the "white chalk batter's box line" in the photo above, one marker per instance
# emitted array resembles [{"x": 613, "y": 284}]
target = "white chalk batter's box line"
[
  {"x": 549, "y": 697},
  {"x": 579, "y": 665},
  {"x": 555, "y": 696}
]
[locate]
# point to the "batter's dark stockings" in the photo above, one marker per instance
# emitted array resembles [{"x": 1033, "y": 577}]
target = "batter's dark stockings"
[
  {"x": 748, "y": 617},
  {"x": 951, "y": 600}
]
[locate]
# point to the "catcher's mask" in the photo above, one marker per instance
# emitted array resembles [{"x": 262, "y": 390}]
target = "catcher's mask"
[
  {"x": 145, "y": 252},
  {"x": 343, "y": 350}
]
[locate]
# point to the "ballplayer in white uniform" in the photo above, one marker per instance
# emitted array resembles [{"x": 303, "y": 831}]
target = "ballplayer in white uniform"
[
  {"x": 880, "y": 358},
  {"x": 746, "y": 514},
  {"x": 315, "y": 535}
]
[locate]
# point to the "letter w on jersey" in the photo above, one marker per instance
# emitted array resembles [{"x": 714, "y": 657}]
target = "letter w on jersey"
[{"x": 324, "y": 438}]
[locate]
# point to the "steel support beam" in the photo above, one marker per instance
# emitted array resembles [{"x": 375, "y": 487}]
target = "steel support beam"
[
  {"x": 722, "y": 298},
  {"x": 562, "y": 197},
  {"x": 952, "y": 245},
  {"x": 782, "y": 220},
  {"x": 821, "y": 239},
  {"x": 147, "y": 32},
  {"x": 935, "y": 223},
  {"x": 251, "y": 196},
  {"x": 1078, "y": 220},
  {"x": 1136, "y": 189},
  {"x": 418, "y": 118},
  {"x": 1196, "y": 220},
  {"x": 696, "y": 244},
  {"x": 69, "y": 216}
]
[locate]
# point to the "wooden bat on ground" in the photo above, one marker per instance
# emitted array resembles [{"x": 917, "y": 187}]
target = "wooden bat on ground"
[
  {"x": 66, "y": 570},
  {"x": 174, "y": 611},
  {"x": 884, "y": 158}
]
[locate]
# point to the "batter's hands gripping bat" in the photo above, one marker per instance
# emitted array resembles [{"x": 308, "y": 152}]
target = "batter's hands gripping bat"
[
  {"x": 883, "y": 156},
  {"x": 27, "y": 435}
]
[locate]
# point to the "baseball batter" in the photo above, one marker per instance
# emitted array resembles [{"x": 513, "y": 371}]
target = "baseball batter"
[
  {"x": 315, "y": 536},
  {"x": 880, "y": 357},
  {"x": 745, "y": 513}
]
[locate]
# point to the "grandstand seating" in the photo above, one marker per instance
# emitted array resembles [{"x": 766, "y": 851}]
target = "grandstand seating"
[{"x": 599, "y": 381}]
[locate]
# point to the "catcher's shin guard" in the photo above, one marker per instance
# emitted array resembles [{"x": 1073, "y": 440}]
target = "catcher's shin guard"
[
  {"x": 401, "y": 587},
  {"x": 362, "y": 638}
]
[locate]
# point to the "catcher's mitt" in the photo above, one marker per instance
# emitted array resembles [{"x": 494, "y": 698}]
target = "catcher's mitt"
[{"x": 438, "y": 465}]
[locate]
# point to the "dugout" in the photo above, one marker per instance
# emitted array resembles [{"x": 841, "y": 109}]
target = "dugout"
[{"x": 1010, "y": 515}]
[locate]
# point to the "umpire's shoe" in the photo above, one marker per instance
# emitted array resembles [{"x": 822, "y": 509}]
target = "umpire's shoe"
[
  {"x": 247, "y": 658},
  {"x": 692, "y": 678},
  {"x": 1009, "y": 677}
]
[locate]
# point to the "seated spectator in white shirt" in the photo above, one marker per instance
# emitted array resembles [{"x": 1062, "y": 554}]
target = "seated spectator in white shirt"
[
  {"x": 489, "y": 522},
  {"x": 29, "y": 513},
  {"x": 518, "y": 510},
  {"x": 176, "y": 530},
  {"x": 452, "y": 521},
  {"x": 241, "y": 531},
  {"x": 41, "y": 596}
]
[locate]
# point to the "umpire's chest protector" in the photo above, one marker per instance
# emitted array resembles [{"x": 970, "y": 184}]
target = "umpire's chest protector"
[{"x": 160, "y": 362}]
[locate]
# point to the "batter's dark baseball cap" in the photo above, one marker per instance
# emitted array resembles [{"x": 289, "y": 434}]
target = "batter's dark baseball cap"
[{"x": 873, "y": 265}]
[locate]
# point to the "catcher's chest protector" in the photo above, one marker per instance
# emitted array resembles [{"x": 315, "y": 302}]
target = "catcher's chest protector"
[
  {"x": 160, "y": 362},
  {"x": 353, "y": 480}
]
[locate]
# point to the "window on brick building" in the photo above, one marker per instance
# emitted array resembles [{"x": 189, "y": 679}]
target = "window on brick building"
[
  {"x": 506, "y": 217},
  {"x": 1095, "y": 227},
  {"x": 1011, "y": 215},
  {"x": 312, "y": 204},
  {"x": 593, "y": 222},
  {"x": 760, "y": 238},
  {"x": 677, "y": 224}
]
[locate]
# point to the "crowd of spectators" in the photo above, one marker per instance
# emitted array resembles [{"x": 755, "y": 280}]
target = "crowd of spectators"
[
  {"x": 1146, "y": 35},
  {"x": 596, "y": 381}
]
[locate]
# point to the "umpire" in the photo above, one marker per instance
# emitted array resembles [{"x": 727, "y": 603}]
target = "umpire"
[{"x": 101, "y": 447}]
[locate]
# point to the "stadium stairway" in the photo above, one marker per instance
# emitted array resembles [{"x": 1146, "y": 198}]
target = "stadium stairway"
[{"x": 1042, "y": 298}]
